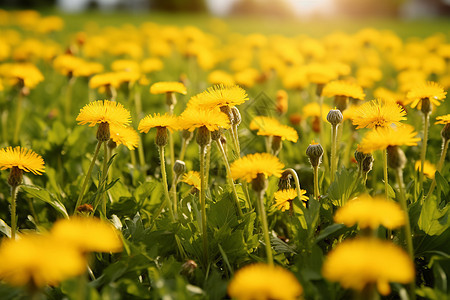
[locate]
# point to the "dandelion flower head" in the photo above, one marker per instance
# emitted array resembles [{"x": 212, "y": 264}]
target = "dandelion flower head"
[
  {"x": 357, "y": 263},
  {"x": 283, "y": 131},
  {"x": 104, "y": 111},
  {"x": 22, "y": 158},
  {"x": 249, "y": 166},
  {"x": 192, "y": 178},
  {"x": 370, "y": 212},
  {"x": 193, "y": 118},
  {"x": 219, "y": 96},
  {"x": 431, "y": 90},
  {"x": 378, "y": 113},
  {"x": 88, "y": 234},
  {"x": 168, "y": 121},
  {"x": 428, "y": 168},
  {"x": 39, "y": 260},
  {"x": 443, "y": 119},
  {"x": 383, "y": 137},
  {"x": 264, "y": 282},
  {"x": 163, "y": 87},
  {"x": 126, "y": 136},
  {"x": 343, "y": 88},
  {"x": 284, "y": 197}
]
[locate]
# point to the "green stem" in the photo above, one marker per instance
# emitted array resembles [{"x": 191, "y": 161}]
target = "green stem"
[
  {"x": 68, "y": 99},
  {"x": 164, "y": 179},
  {"x": 333, "y": 150},
  {"x": 299, "y": 195},
  {"x": 423, "y": 150},
  {"x": 183, "y": 149},
  {"x": 203, "y": 203},
  {"x": 235, "y": 140},
  {"x": 18, "y": 118},
  {"x": 13, "y": 211},
  {"x": 439, "y": 166},
  {"x": 141, "y": 151},
  {"x": 88, "y": 175},
  {"x": 322, "y": 136},
  {"x": 230, "y": 178},
  {"x": 316, "y": 182},
  {"x": 104, "y": 178},
  {"x": 247, "y": 194},
  {"x": 408, "y": 235},
  {"x": 208, "y": 163},
  {"x": 385, "y": 174},
  {"x": 173, "y": 190},
  {"x": 262, "y": 213},
  {"x": 4, "y": 117}
]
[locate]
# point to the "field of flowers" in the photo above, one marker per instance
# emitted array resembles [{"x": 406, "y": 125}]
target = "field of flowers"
[{"x": 180, "y": 162}]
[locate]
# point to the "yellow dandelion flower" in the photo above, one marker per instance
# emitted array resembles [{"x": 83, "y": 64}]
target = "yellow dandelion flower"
[
  {"x": 313, "y": 110},
  {"x": 388, "y": 95},
  {"x": 221, "y": 77},
  {"x": 192, "y": 178},
  {"x": 320, "y": 73},
  {"x": 22, "y": 158},
  {"x": 168, "y": 121},
  {"x": 343, "y": 88},
  {"x": 283, "y": 131},
  {"x": 67, "y": 64},
  {"x": 378, "y": 113},
  {"x": 357, "y": 263},
  {"x": 124, "y": 136},
  {"x": 163, "y": 87},
  {"x": 88, "y": 234},
  {"x": 104, "y": 79},
  {"x": 193, "y": 118},
  {"x": 125, "y": 65},
  {"x": 219, "y": 96},
  {"x": 264, "y": 282},
  {"x": 383, "y": 137},
  {"x": 429, "y": 90},
  {"x": 283, "y": 198},
  {"x": 428, "y": 169},
  {"x": 104, "y": 111},
  {"x": 370, "y": 212},
  {"x": 261, "y": 122},
  {"x": 28, "y": 74},
  {"x": 350, "y": 112},
  {"x": 151, "y": 65},
  {"x": 443, "y": 119},
  {"x": 39, "y": 260},
  {"x": 249, "y": 166}
]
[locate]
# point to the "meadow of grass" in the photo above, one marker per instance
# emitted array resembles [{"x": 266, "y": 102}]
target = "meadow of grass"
[{"x": 222, "y": 227}]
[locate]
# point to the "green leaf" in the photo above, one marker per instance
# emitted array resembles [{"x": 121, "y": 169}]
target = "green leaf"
[
  {"x": 39, "y": 193},
  {"x": 442, "y": 184},
  {"x": 5, "y": 229},
  {"x": 344, "y": 187},
  {"x": 280, "y": 246},
  {"x": 334, "y": 229},
  {"x": 432, "y": 220}
]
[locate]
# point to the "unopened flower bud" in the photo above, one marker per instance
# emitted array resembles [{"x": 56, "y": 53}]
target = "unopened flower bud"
[
  {"x": 335, "y": 117},
  {"x": 276, "y": 144},
  {"x": 161, "y": 136},
  {"x": 216, "y": 134},
  {"x": 314, "y": 153},
  {"x": 179, "y": 167},
  {"x": 396, "y": 157},
  {"x": 237, "y": 119},
  {"x": 103, "y": 134},
  {"x": 259, "y": 184},
  {"x": 15, "y": 176},
  {"x": 227, "y": 110},
  {"x": 203, "y": 136},
  {"x": 445, "y": 132}
]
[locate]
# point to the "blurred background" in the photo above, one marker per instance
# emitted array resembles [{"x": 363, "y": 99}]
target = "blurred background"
[{"x": 407, "y": 9}]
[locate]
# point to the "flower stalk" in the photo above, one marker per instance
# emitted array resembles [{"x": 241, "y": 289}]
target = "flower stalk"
[
  {"x": 423, "y": 151},
  {"x": 164, "y": 179}
]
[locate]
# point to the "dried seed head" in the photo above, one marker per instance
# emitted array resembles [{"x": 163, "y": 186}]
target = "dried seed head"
[
  {"x": 103, "y": 134},
  {"x": 314, "y": 153},
  {"x": 335, "y": 117}
]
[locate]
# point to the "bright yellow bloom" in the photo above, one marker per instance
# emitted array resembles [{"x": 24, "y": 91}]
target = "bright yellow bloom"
[
  {"x": 39, "y": 260},
  {"x": 124, "y": 135},
  {"x": 152, "y": 64},
  {"x": 431, "y": 90},
  {"x": 350, "y": 112},
  {"x": 127, "y": 65},
  {"x": 370, "y": 212},
  {"x": 192, "y": 178},
  {"x": 428, "y": 168},
  {"x": 283, "y": 198},
  {"x": 388, "y": 95},
  {"x": 261, "y": 122},
  {"x": 220, "y": 77},
  {"x": 21, "y": 158},
  {"x": 67, "y": 64},
  {"x": 168, "y": 87},
  {"x": 443, "y": 119},
  {"x": 219, "y": 96},
  {"x": 381, "y": 138},
  {"x": 357, "y": 263},
  {"x": 88, "y": 234},
  {"x": 320, "y": 73},
  {"x": 104, "y": 79},
  {"x": 168, "y": 121},
  {"x": 104, "y": 111},
  {"x": 378, "y": 113},
  {"x": 193, "y": 118},
  {"x": 343, "y": 88},
  {"x": 249, "y": 166},
  {"x": 27, "y": 73},
  {"x": 263, "y": 282},
  {"x": 283, "y": 131},
  {"x": 313, "y": 110}
]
